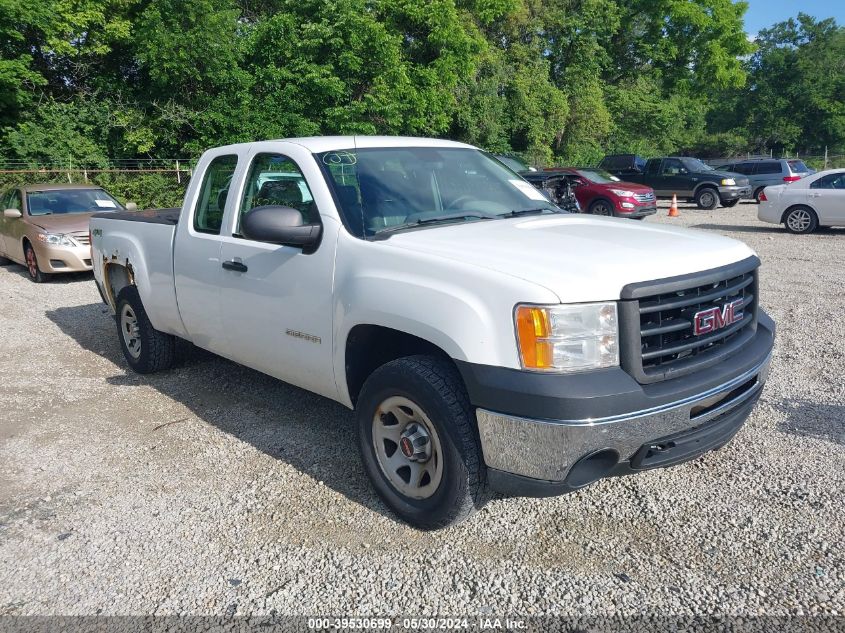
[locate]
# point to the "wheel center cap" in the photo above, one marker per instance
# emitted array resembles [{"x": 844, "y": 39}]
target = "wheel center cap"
[
  {"x": 407, "y": 447},
  {"x": 415, "y": 443}
]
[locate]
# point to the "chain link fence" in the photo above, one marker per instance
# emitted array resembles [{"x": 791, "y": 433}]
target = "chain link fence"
[{"x": 147, "y": 182}]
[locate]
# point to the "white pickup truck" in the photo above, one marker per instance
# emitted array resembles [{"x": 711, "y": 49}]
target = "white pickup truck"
[{"x": 487, "y": 341}]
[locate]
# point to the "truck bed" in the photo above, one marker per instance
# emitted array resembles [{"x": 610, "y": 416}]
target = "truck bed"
[
  {"x": 151, "y": 216},
  {"x": 141, "y": 241}
]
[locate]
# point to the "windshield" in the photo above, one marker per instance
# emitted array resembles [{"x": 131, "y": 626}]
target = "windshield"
[
  {"x": 695, "y": 165},
  {"x": 65, "y": 201},
  {"x": 383, "y": 189},
  {"x": 598, "y": 176},
  {"x": 512, "y": 163}
]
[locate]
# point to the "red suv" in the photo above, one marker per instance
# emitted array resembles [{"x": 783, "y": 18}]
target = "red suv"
[{"x": 600, "y": 193}]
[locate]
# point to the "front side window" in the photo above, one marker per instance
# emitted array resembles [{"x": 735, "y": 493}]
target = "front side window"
[
  {"x": 653, "y": 167},
  {"x": 275, "y": 180},
  {"x": 69, "y": 201},
  {"x": 673, "y": 167},
  {"x": 208, "y": 214},
  {"x": 696, "y": 166},
  {"x": 832, "y": 181},
  {"x": 383, "y": 189},
  {"x": 12, "y": 200}
]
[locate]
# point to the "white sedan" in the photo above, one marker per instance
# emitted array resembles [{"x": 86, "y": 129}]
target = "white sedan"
[{"x": 805, "y": 205}]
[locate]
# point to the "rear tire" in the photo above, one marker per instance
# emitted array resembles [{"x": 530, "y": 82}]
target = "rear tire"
[
  {"x": 801, "y": 220},
  {"x": 707, "y": 198},
  {"x": 146, "y": 349},
  {"x": 419, "y": 442},
  {"x": 32, "y": 267},
  {"x": 757, "y": 194}
]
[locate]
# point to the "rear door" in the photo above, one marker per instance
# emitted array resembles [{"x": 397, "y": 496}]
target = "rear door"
[
  {"x": 767, "y": 173},
  {"x": 827, "y": 197},
  {"x": 196, "y": 256},
  {"x": 276, "y": 304}
]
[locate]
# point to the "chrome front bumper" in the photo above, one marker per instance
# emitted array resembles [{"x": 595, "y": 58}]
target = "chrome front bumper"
[{"x": 547, "y": 449}]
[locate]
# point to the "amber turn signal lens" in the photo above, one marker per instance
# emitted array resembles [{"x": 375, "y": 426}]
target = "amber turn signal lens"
[{"x": 533, "y": 327}]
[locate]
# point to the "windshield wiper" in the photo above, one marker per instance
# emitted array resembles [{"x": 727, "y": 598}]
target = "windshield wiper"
[
  {"x": 436, "y": 219},
  {"x": 520, "y": 212}
]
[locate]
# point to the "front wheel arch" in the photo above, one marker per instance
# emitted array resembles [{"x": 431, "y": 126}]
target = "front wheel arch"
[
  {"x": 368, "y": 347},
  {"x": 604, "y": 201}
]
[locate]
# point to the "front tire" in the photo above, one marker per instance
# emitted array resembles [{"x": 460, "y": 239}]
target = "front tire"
[
  {"x": 418, "y": 442},
  {"x": 707, "y": 198},
  {"x": 146, "y": 349},
  {"x": 32, "y": 267},
  {"x": 801, "y": 220},
  {"x": 601, "y": 207}
]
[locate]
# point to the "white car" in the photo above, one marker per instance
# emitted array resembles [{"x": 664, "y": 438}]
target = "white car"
[
  {"x": 487, "y": 340},
  {"x": 805, "y": 205}
]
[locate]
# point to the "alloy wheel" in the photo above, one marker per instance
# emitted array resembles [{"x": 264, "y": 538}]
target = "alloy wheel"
[
  {"x": 799, "y": 220},
  {"x": 31, "y": 263}
]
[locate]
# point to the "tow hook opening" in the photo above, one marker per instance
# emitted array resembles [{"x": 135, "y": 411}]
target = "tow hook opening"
[{"x": 592, "y": 467}]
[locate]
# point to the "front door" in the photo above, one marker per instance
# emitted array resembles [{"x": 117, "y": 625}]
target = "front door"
[
  {"x": 674, "y": 178},
  {"x": 276, "y": 302},
  {"x": 12, "y": 229}
]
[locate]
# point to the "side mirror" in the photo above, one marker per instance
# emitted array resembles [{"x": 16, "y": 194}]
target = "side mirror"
[
  {"x": 12, "y": 214},
  {"x": 281, "y": 225},
  {"x": 131, "y": 206}
]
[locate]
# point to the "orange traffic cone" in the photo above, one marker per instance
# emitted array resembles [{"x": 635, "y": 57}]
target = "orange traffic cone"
[{"x": 673, "y": 210}]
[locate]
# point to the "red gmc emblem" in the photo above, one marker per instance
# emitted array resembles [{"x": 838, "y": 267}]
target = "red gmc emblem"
[{"x": 714, "y": 319}]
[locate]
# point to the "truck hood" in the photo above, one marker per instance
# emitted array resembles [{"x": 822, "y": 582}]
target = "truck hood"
[
  {"x": 578, "y": 258},
  {"x": 62, "y": 222}
]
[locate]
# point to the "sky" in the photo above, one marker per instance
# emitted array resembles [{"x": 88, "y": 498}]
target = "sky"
[{"x": 763, "y": 13}]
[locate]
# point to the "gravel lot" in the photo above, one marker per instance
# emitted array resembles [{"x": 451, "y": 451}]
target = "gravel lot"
[{"x": 211, "y": 489}]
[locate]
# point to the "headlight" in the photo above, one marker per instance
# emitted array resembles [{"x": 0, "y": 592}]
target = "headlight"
[
  {"x": 568, "y": 338},
  {"x": 623, "y": 193},
  {"x": 728, "y": 182},
  {"x": 56, "y": 239}
]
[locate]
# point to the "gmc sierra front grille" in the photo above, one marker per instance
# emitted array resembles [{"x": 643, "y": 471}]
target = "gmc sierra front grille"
[
  {"x": 690, "y": 322},
  {"x": 644, "y": 197}
]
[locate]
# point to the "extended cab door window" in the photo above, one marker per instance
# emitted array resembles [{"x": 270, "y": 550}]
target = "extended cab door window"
[{"x": 208, "y": 214}]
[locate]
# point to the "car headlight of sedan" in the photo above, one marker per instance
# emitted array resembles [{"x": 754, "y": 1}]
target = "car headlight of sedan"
[
  {"x": 728, "y": 182},
  {"x": 568, "y": 338},
  {"x": 56, "y": 239},
  {"x": 623, "y": 193}
]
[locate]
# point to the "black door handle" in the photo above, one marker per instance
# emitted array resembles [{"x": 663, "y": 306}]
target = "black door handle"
[{"x": 236, "y": 266}]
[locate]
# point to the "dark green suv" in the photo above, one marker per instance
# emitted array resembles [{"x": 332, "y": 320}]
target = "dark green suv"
[{"x": 688, "y": 178}]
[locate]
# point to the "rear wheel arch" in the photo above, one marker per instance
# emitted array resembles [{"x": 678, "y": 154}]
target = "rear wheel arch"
[
  {"x": 792, "y": 207},
  {"x": 116, "y": 277},
  {"x": 369, "y": 347}
]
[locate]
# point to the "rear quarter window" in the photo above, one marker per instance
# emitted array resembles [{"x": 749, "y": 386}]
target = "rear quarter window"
[{"x": 798, "y": 166}]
